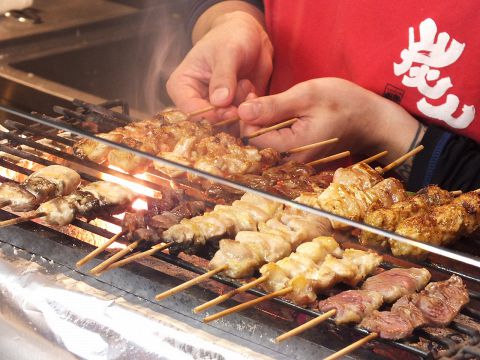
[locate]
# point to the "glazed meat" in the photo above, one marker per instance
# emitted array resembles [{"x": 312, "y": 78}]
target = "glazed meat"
[
  {"x": 388, "y": 218},
  {"x": 361, "y": 176}
]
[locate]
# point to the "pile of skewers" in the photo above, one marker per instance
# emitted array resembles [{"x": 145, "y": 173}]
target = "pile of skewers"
[{"x": 292, "y": 250}]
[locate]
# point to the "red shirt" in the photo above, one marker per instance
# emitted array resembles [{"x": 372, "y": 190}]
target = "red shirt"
[{"x": 423, "y": 54}]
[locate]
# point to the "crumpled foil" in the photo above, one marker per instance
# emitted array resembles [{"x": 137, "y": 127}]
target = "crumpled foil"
[{"x": 46, "y": 314}]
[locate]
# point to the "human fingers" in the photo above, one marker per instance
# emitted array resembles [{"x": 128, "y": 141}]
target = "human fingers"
[{"x": 269, "y": 110}]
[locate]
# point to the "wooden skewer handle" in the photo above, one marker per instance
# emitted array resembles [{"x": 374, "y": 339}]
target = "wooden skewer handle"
[
  {"x": 230, "y": 294},
  {"x": 103, "y": 266},
  {"x": 100, "y": 249},
  {"x": 401, "y": 159},
  {"x": 268, "y": 129},
  {"x": 21, "y": 219},
  {"x": 352, "y": 347},
  {"x": 190, "y": 283},
  {"x": 227, "y": 121},
  {"x": 141, "y": 255},
  {"x": 373, "y": 158},
  {"x": 4, "y": 203},
  {"x": 330, "y": 158},
  {"x": 200, "y": 111},
  {"x": 248, "y": 304},
  {"x": 308, "y": 147},
  {"x": 309, "y": 324}
]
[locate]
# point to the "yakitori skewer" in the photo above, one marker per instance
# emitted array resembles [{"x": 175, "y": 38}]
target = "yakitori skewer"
[
  {"x": 255, "y": 134},
  {"x": 88, "y": 201},
  {"x": 436, "y": 306},
  {"x": 330, "y": 158},
  {"x": 385, "y": 287},
  {"x": 100, "y": 249},
  {"x": 373, "y": 158}
]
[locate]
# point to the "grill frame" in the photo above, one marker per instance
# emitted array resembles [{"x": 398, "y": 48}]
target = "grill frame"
[{"x": 107, "y": 115}]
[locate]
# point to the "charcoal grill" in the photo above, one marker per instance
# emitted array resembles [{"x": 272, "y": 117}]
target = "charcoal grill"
[{"x": 25, "y": 142}]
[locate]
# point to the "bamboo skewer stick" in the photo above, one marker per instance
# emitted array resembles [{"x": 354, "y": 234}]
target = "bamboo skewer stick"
[
  {"x": 230, "y": 294},
  {"x": 200, "y": 111},
  {"x": 247, "y": 304},
  {"x": 329, "y": 158},
  {"x": 456, "y": 192},
  {"x": 137, "y": 256},
  {"x": 190, "y": 283},
  {"x": 308, "y": 147},
  {"x": 309, "y": 324},
  {"x": 400, "y": 160},
  {"x": 372, "y": 158},
  {"x": 103, "y": 266},
  {"x": 5, "y": 203},
  {"x": 353, "y": 346},
  {"x": 227, "y": 121},
  {"x": 100, "y": 249},
  {"x": 21, "y": 219},
  {"x": 268, "y": 129}
]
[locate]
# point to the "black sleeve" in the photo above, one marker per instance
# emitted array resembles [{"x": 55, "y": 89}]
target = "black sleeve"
[
  {"x": 448, "y": 160},
  {"x": 198, "y": 7}
]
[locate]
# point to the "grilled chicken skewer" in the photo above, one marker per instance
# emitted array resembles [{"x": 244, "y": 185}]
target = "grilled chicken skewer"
[
  {"x": 301, "y": 289},
  {"x": 437, "y": 305},
  {"x": 353, "y": 305},
  {"x": 101, "y": 197},
  {"x": 42, "y": 185}
]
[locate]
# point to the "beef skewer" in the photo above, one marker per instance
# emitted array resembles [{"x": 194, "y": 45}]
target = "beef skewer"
[
  {"x": 353, "y": 305},
  {"x": 437, "y": 305},
  {"x": 95, "y": 198},
  {"x": 351, "y": 268},
  {"x": 40, "y": 186}
]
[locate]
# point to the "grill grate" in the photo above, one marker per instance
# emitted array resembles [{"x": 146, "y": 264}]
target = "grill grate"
[{"x": 25, "y": 133}]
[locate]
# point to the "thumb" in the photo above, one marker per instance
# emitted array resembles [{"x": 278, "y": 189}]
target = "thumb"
[
  {"x": 269, "y": 110},
  {"x": 223, "y": 82}
]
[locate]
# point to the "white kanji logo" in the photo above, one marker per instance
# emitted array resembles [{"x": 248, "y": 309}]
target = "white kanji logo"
[{"x": 419, "y": 67}]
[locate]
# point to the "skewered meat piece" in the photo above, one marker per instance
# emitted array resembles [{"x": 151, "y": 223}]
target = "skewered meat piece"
[
  {"x": 441, "y": 225},
  {"x": 355, "y": 305},
  {"x": 395, "y": 283},
  {"x": 436, "y": 305},
  {"x": 149, "y": 226},
  {"x": 40, "y": 186},
  {"x": 389, "y": 218},
  {"x": 351, "y": 202},
  {"x": 244, "y": 214},
  {"x": 352, "y": 305},
  {"x": 354, "y": 266},
  {"x": 306, "y": 256},
  {"x": 274, "y": 240},
  {"x": 95, "y": 198},
  {"x": 360, "y": 175}
]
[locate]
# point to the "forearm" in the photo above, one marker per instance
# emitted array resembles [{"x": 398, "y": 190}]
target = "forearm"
[{"x": 207, "y": 20}]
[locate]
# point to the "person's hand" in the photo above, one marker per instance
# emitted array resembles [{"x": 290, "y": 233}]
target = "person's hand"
[
  {"x": 365, "y": 122},
  {"x": 231, "y": 60}
]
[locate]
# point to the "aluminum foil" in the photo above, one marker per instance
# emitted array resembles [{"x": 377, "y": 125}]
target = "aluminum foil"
[{"x": 46, "y": 314}]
